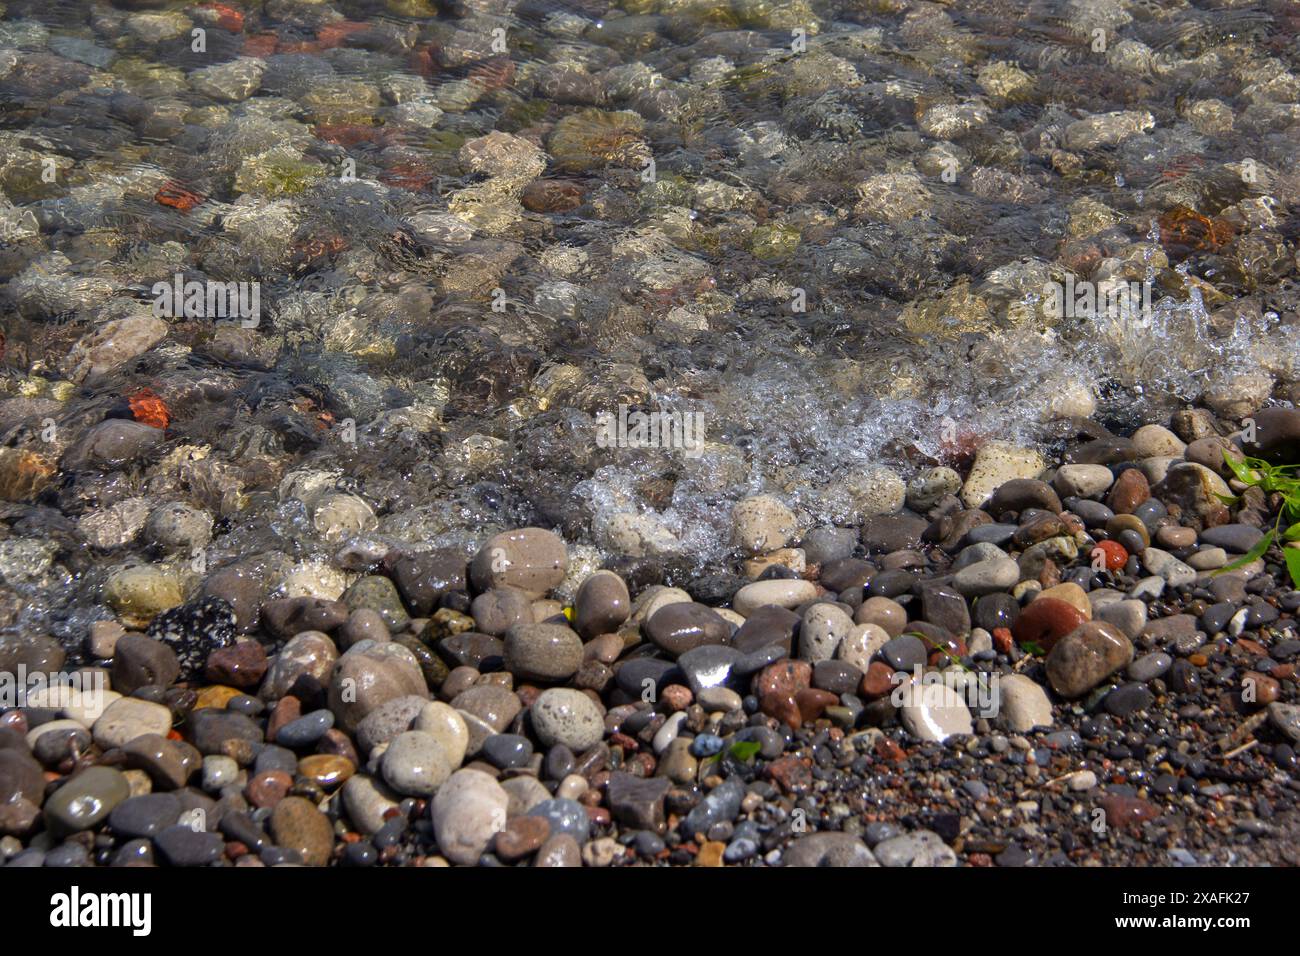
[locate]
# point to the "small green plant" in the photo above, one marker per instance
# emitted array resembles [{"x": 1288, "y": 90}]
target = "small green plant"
[
  {"x": 742, "y": 750},
  {"x": 745, "y": 750},
  {"x": 1271, "y": 479}
]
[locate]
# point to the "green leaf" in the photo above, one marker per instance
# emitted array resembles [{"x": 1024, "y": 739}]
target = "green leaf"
[
  {"x": 1292, "y": 556},
  {"x": 1292, "y": 533},
  {"x": 1033, "y": 647},
  {"x": 746, "y": 750},
  {"x": 1238, "y": 466},
  {"x": 1250, "y": 555}
]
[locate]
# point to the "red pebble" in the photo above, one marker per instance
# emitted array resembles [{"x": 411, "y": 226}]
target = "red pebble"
[{"x": 1116, "y": 555}]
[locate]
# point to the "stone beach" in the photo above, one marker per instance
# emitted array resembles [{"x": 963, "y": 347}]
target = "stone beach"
[{"x": 639, "y": 433}]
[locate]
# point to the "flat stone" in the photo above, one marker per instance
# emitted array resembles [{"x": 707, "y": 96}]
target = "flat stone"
[
  {"x": 1286, "y": 718},
  {"x": 765, "y": 627},
  {"x": 169, "y": 763},
  {"x": 904, "y": 653},
  {"x": 1238, "y": 538},
  {"x": 1083, "y": 481},
  {"x": 1149, "y": 666},
  {"x": 882, "y": 534},
  {"x": 708, "y": 666}
]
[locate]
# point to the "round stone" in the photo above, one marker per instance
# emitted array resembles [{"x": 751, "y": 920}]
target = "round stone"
[
  {"x": 297, "y": 825},
  {"x": 414, "y": 764},
  {"x": 678, "y": 628},
  {"x": 543, "y": 652},
  {"x": 602, "y": 604},
  {"x": 569, "y": 717},
  {"x": 447, "y": 726},
  {"x": 531, "y": 559},
  {"x": 497, "y": 611},
  {"x": 467, "y": 812}
]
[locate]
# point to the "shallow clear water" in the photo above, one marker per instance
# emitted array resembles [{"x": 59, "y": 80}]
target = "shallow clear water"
[{"x": 827, "y": 229}]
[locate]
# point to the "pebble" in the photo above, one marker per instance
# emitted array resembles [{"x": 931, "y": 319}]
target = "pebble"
[
  {"x": 547, "y": 652},
  {"x": 997, "y": 462},
  {"x": 447, "y": 726},
  {"x": 533, "y": 560},
  {"x": 602, "y": 605},
  {"x": 305, "y": 730},
  {"x": 414, "y": 764},
  {"x": 568, "y": 717},
  {"x": 85, "y": 800},
  {"x": 366, "y": 677},
  {"x": 368, "y": 802},
  {"x": 1149, "y": 666},
  {"x": 987, "y": 577},
  {"x": 561, "y": 850},
  {"x": 678, "y": 628},
  {"x": 921, "y": 848},
  {"x": 1023, "y": 704},
  {"x": 297, "y": 825},
  {"x": 828, "y": 850},
  {"x": 933, "y": 711},
  {"x": 128, "y": 718},
  {"x": 788, "y": 593},
  {"x": 183, "y": 845},
  {"x": 762, "y": 524},
  {"x": 564, "y": 816},
  {"x": 824, "y": 627},
  {"x": 140, "y": 661},
  {"x": 1083, "y": 481},
  {"x": 467, "y": 812},
  {"x": 1085, "y": 657}
]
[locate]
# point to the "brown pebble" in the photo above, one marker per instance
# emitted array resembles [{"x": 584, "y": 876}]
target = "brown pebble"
[
  {"x": 521, "y": 837},
  {"x": 268, "y": 788}
]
